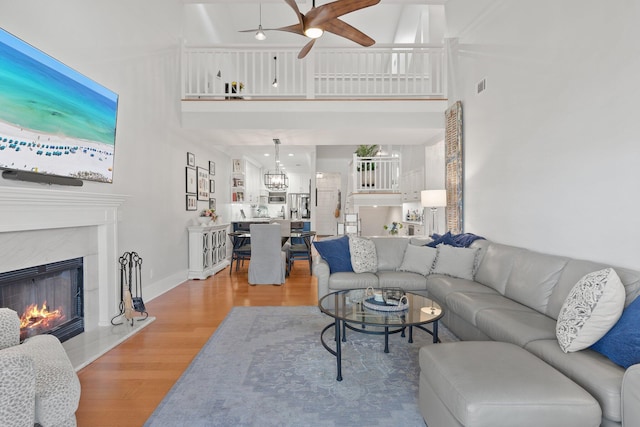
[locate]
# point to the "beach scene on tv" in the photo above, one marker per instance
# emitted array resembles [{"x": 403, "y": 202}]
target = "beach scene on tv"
[{"x": 53, "y": 120}]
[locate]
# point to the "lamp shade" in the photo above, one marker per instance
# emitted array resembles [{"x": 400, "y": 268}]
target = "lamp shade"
[{"x": 433, "y": 198}]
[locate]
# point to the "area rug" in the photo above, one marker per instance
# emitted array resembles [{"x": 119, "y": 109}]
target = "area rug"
[{"x": 265, "y": 366}]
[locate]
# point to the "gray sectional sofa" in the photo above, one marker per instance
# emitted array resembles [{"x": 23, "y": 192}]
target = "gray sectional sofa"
[{"x": 514, "y": 296}]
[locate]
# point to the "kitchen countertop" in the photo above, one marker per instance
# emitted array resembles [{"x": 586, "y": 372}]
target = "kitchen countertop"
[{"x": 267, "y": 220}]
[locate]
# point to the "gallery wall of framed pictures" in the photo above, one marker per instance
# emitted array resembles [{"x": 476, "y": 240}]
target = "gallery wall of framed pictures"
[{"x": 200, "y": 184}]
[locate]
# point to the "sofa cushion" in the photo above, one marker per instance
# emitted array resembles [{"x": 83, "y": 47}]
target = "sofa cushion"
[
  {"x": 420, "y": 241},
  {"x": 418, "y": 259},
  {"x": 468, "y": 304},
  {"x": 518, "y": 327},
  {"x": 390, "y": 251},
  {"x": 592, "y": 371},
  {"x": 363, "y": 255},
  {"x": 499, "y": 384},
  {"x": 592, "y": 307},
  {"x": 351, "y": 280},
  {"x": 336, "y": 253},
  {"x": 533, "y": 278},
  {"x": 576, "y": 269},
  {"x": 496, "y": 266},
  {"x": 441, "y": 286},
  {"x": 622, "y": 343},
  {"x": 402, "y": 279},
  {"x": 455, "y": 262}
]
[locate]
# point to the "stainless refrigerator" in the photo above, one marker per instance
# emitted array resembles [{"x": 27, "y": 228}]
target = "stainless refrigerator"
[{"x": 299, "y": 206}]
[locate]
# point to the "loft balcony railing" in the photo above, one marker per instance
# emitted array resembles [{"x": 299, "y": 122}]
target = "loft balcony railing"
[
  {"x": 381, "y": 71},
  {"x": 375, "y": 174}
]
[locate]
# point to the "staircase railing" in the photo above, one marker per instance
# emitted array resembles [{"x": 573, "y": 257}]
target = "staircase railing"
[
  {"x": 381, "y": 71},
  {"x": 375, "y": 174}
]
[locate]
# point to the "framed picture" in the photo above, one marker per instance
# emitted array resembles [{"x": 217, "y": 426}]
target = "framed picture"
[
  {"x": 191, "y": 159},
  {"x": 192, "y": 202},
  {"x": 191, "y": 181},
  {"x": 203, "y": 184},
  {"x": 212, "y": 168},
  {"x": 237, "y": 166},
  {"x": 212, "y": 203},
  {"x": 212, "y": 186}
]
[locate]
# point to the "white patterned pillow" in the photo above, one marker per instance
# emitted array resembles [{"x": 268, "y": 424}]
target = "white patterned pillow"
[
  {"x": 418, "y": 259},
  {"x": 363, "y": 255},
  {"x": 592, "y": 307}
]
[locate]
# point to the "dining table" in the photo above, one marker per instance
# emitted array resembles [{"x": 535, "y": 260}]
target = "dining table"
[{"x": 240, "y": 241}]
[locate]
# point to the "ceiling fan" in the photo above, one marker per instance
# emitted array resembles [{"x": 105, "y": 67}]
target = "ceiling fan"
[{"x": 325, "y": 18}]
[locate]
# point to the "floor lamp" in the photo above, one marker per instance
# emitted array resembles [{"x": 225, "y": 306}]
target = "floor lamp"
[{"x": 433, "y": 199}]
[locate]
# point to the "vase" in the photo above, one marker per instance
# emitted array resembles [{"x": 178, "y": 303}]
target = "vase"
[{"x": 204, "y": 220}]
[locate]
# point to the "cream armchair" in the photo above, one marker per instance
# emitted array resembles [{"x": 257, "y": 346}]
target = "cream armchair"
[{"x": 37, "y": 382}]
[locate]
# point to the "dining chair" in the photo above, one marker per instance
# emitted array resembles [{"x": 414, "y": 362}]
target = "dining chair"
[
  {"x": 241, "y": 250},
  {"x": 268, "y": 261},
  {"x": 300, "y": 248}
]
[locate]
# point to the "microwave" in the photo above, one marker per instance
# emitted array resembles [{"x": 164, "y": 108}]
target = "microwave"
[{"x": 277, "y": 198}]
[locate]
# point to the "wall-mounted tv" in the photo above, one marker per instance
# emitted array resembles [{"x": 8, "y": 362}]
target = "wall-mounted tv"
[{"x": 53, "y": 120}]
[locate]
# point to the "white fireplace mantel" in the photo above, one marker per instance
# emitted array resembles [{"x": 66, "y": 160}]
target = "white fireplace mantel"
[
  {"x": 35, "y": 223},
  {"x": 35, "y": 208}
]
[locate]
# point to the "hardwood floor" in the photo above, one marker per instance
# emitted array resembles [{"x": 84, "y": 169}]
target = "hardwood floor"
[{"x": 123, "y": 387}]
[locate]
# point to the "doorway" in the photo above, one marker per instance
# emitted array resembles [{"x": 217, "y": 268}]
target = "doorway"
[{"x": 329, "y": 203}]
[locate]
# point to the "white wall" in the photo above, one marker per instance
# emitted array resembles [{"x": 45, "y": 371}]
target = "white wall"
[
  {"x": 552, "y": 146},
  {"x": 132, "y": 48}
]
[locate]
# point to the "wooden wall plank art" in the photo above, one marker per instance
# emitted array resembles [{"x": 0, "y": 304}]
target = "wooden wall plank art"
[{"x": 454, "y": 168}]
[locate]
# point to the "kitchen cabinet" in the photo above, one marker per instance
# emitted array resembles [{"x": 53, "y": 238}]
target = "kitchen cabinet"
[
  {"x": 412, "y": 183},
  {"x": 245, "y": 182},
  {"x": 207, "y": 250},
  {"x": 238, "y": 181},
  {"x": 253, "y": 183}
]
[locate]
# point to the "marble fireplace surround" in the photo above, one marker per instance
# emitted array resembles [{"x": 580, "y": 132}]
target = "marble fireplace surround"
[{"x": 44, "y": 225}]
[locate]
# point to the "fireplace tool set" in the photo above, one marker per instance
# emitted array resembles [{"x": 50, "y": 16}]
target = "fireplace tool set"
[{"x": 130, "y": 278}]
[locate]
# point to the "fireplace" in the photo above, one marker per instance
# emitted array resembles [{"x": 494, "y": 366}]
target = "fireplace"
[{"x": 48, "y": 298}]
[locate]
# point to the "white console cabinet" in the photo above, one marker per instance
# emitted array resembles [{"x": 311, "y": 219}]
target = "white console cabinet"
[{"x": 207, "y": 250}]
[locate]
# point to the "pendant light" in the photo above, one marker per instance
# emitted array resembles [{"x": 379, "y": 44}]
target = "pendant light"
[
  {"x": 275, "y": 72},
  {"x": 260, "y": 35},
  {"x": 275, "y": 179}
]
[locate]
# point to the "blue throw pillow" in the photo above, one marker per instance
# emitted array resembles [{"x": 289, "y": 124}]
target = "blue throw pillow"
[
  {"x": 622, "y": 343},
  {"x": 336, "y": 253}
]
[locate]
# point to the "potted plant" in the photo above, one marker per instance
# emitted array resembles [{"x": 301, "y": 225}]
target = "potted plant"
[
  {"x": 366, "y": 174},
  {"x": 393, "y": 228}
]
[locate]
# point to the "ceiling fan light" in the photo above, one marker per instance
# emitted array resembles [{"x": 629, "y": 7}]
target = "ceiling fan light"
[
  {"x": 313, "y": 33},
  {"x": 260, "y": 35}
]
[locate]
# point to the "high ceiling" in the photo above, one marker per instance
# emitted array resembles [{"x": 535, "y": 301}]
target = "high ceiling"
[{"x": 218, "y": 22}]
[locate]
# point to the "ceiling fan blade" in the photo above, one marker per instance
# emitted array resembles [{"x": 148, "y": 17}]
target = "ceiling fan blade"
[
  {"x": 294, "y": 6},
  {"x": 342, "y": 29},
  {"x": 306, "y": 49},
  {"x": 295, "y": 28},
  {"x": 316, "y": 17}
]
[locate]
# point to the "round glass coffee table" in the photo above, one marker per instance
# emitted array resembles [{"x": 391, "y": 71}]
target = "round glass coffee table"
[{"x": 353, "y": 309}]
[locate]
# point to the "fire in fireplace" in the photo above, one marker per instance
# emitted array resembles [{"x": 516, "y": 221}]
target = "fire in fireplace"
[{"x": 48, "y": 298}]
